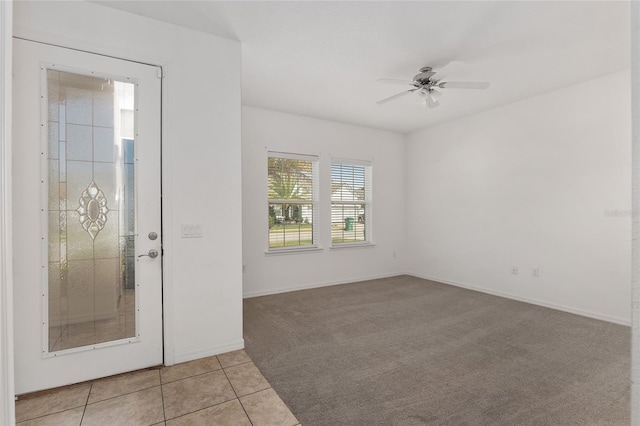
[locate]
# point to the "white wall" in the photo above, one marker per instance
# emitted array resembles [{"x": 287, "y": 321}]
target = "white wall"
[
  {"x": 201, "y": 161},
  {"x": 529, "y": 185},
  {"x": 263, "y": 131}
]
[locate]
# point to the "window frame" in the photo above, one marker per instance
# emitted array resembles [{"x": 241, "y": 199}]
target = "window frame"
[
  {"x": 314, "y": 202},
  {"x": 367, "y": 202}
]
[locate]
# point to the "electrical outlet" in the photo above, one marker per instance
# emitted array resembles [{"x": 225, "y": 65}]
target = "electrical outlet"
[
  {"x": 514, "y": 270},
  {"x": 535, "y": 272},
  {"x": 244, "y": 268}
]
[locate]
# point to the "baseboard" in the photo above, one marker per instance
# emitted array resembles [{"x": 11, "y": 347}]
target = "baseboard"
[
  {"x": 559, "y": 307},
  {"x": 251, "y": 294},
  {"x": 507, "y": 295},
  {"x": 216, "y": 350}
]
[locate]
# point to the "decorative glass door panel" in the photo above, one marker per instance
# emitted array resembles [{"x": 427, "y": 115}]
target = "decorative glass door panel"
[
  {"x": 86, "y": 167},
  {"x": 91, "y": 210}
]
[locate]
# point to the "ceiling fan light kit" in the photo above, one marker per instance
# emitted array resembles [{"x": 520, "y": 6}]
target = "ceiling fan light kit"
[
  {"x": 428, "y": 97},
  {"x": 426, "y": 81}
]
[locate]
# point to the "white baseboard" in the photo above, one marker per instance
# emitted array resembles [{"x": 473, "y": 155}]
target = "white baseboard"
[
  {"x": 559, "y": 307},
  {"x": 507, "y": 295},
  {"x": 216, "y": 350},
  {"x": 251, "y": 294}
]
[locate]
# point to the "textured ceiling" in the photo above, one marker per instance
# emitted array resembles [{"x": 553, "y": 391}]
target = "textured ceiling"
[{"x": 322, "y": 59}]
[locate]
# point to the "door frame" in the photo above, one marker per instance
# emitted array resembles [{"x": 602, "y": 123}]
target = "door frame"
[
  {"x": 7, "y": 388},
  {"x": 165, "y": 162},
  {"x": 635, "y": 205},
  {"x": 50, "y": 369}
]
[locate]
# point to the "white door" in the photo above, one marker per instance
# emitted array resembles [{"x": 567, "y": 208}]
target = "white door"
[{"x": 86, "y": 199}]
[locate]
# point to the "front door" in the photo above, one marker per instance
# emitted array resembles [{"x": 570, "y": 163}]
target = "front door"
[{"x": 86, "y": 219}]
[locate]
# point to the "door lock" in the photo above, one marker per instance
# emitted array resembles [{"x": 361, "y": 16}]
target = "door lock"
[
  {"x": 152, "y": 254},
  {"x": 153, "y": 236}
]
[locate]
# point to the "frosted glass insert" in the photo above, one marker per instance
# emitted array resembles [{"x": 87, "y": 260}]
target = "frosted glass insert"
[
  {"x": 79, "y": 145},
  {"x": 53, "y": 140},
  {"x": 103, "y": 148},
  {"x": 91, "y": 198}
]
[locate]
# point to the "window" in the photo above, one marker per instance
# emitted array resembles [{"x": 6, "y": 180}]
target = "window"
[
  {"x": 350, "y": 202},
  {"x": 293, "y": 199}
]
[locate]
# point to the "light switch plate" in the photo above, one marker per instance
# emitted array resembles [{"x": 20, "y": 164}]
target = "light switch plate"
[{"x": 192, "y": 230}]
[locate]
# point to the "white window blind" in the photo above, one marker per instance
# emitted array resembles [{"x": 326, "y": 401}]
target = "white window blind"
[
  {"x": 351, "y": 201},
  {"x": 293, "y": 200}
]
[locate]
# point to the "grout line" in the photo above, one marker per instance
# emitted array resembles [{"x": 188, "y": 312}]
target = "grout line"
[
  {"x": 203, "y": 408},
  {"x": 49, "y": 414},
  {"x": 235, "y": 365},
  {"x": 188, "y": 377},
  {"x": 122, "y": 394},
  {"x": 86, "y": 403},
  {"x": 236, "y": 394},
  {"x": 258, "y": 391},
  {"x": 164, "y": 413},
  {"x": 230, "y": 384},
  {"x": 51, "y": 392}
]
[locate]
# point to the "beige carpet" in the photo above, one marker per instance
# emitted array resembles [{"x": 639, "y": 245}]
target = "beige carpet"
[{"x": 406, "y": 351}]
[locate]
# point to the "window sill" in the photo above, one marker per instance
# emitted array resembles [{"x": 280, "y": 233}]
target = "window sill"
[
  {"x": 351, "y": 245},
  {"x": 297, "y": 250}
]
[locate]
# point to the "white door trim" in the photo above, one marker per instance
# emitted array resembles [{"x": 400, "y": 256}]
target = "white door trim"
[
  {"x": 34, "y": 370},
  {"x": 7, "y": 388},
  {"x": 635, "y": 222},
  {"x": 126, "y": 54}
]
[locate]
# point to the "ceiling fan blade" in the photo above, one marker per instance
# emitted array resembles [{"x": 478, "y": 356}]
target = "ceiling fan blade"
[
  {"x": 452, "y": 68},
  {"x": 394, "y": 81},
  {"x": 399, "y": 95},
  {"x": 464, "y": 85}
]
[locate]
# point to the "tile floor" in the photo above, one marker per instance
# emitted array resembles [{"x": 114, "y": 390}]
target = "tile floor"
[{"x": 225, "y": 390}]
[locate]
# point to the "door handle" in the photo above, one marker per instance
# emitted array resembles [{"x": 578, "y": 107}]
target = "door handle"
[{"x": 152, "y": 254}]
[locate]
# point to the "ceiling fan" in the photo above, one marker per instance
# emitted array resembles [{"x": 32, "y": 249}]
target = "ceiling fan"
[{"x": 426, "y": 84}]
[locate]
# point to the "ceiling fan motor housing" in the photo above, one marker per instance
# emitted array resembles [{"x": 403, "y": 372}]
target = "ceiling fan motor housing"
[{"x": 424, "y": 78}]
